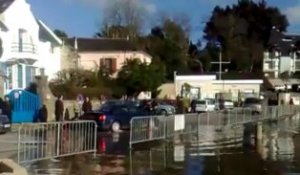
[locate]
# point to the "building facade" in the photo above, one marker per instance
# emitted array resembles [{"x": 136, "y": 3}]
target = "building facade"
[
  {"x": 28, "y": 47},
  {"x": 100, "y": 53},
  {"x": 283, "y": 55},
  {"x": 208, "y": 86}
]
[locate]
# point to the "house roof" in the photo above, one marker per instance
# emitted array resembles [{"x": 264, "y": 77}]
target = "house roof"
[
  {"x": 279, "y": 82},
  {"x": 241, "y": 76},
  {"x": 46, "y": 33},
  {"x": 4, "y": 4},
  {"x": 101, "y": 44},
  {"x": 283, "y": 42}
]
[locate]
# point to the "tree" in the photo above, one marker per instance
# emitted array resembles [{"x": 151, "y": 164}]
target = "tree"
[
  {"x": 114, "y": 31},
  {"x": 61, "y": 34},
  {"x": 121, "y": 16},
  {"x": 244, "y": 31},
  {"x": 168, "y": 43},
  {"x": 137, "y": 76}
]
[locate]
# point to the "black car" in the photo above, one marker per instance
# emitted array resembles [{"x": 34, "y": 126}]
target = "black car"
[
  {"x": 5, "y": 125},
  {"x": 115, "y": 117}
]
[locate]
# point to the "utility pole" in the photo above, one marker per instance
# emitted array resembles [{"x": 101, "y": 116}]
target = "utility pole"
[
  {"x": 220, "y": 62},
  {"x": 76, "y": 54}
]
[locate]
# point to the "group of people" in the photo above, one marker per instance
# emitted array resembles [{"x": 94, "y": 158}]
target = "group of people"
[{"x": 62, "y": 114}]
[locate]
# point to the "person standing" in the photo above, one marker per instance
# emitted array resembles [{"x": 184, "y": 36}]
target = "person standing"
[
  {"x": 43, "y": 114},
  {"x": 87, "y": 105},
  {"x": 59, "y": 109},
  {"x": 59, "y": 117},
  {"x": 7, "y": 108}
]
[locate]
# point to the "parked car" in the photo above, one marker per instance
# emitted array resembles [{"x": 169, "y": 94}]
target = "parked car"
[
  {"x": 163, "y": 108},
  {"x": 255, "y": 104},
  {"x": 227, "y": 104},
  {"x": 204, "y": 105},
  {"x": 115, "y": 117},
  {"x": 5, "y": 125}
]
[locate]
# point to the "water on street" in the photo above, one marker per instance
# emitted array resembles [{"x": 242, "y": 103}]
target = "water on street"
[{"x": 278, "y": 153}]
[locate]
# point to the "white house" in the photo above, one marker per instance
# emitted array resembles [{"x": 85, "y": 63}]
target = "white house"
[
  {"x": 101, "y": 53},
  {"x": 283, "y": 55},
  {"x": 29, "y": 47}
]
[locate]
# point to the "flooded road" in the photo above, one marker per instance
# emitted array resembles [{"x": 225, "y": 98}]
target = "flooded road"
[{"x": 278, "y": 153}]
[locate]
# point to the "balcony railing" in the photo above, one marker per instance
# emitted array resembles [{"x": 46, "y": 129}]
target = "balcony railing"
[
  {"x": 270, "y": 65},
  {"x": 23, "y": 48},
  {"x": 297, "y": 65}
]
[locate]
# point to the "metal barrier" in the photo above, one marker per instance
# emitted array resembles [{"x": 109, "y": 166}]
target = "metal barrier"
[
  {"x": 40, "y": 141},
  {"x": 147, "y": 129},
  {"x": 151, "y": 128}
]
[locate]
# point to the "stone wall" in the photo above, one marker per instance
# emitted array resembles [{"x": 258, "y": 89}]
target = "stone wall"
[{"x": 46, "y": 95}]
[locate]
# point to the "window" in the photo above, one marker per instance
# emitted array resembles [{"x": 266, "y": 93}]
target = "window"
[
  {"x": 20, "y": 76},
  {"x": 108, "y": 65},
  {"x": 24, "y": 42},
  {"x": 9, "y": 73},
  {"x": 201, "y": 102},
  {"x": 252, "y": 100},
  {"x": 30, "y": 73},
  {"x": 51, "y": 48},
  {"x": 42, "y": 71}
]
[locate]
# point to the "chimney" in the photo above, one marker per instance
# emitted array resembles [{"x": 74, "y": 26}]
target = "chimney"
[{"x": 75, "y": 44}]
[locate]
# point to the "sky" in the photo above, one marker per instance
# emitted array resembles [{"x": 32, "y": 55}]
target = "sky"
[{"x": 82, "y": 18}]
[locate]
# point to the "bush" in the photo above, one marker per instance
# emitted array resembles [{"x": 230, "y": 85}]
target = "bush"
[{"x": 70, "y": 92}]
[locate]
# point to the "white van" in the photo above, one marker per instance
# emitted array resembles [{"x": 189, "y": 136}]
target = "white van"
[{"x": 205, "y": 105}]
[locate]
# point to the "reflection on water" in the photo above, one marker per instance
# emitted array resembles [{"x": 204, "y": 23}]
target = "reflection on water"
[{"x": 277, "y": 153}]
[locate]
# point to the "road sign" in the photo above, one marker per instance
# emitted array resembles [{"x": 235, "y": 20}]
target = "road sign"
[{"x": 16, "y": 95}]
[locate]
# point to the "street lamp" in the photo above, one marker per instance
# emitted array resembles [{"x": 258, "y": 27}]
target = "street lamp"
[{"x": 220, "y": 62}]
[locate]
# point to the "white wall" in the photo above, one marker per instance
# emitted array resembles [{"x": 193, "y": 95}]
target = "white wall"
[
  {"x": 48, "y": 59},
  {"x": 285, "y": 64},
  {"x": 209, "y": 86},
  {"x": 91, "y": 60}
]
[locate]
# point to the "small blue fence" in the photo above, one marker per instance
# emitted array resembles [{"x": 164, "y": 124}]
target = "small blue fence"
[{"x": 25, "y": 106}]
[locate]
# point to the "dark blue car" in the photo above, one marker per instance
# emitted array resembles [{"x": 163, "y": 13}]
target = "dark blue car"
[
  {"x": 115, "y": 117},
  {"x": 5, "y": 125}
]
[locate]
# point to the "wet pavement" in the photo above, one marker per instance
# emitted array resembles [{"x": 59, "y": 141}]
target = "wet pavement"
[{"x": 278, "y": 153}]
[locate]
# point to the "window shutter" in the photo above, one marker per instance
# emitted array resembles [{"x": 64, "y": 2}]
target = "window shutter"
[
  {"x": 113, "y": 65},
  {"x": 102, "y": 64}
]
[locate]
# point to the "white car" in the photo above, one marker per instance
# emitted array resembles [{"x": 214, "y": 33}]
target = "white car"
[
  {"x": 205, "y": 105},
  {"x": 227, "y": 104}
]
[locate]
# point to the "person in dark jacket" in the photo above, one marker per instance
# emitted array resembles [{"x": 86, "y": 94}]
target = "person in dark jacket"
[
  {"x": 1, "y": 105},
  {"x": 43, "y": 114},
  {"x": 67, "y": 115},
  {"x": 7, "y": 108},
  {"x": 87, "y": 105},
  {"x": 59, "y": 109}
]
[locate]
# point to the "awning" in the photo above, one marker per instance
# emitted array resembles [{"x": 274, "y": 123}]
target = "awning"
[{"x": 280, "y": 82}]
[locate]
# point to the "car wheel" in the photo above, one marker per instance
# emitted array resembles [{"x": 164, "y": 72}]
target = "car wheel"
[
  {"x": 115, "y": 126},
  {"x": 163, "y": 112}
]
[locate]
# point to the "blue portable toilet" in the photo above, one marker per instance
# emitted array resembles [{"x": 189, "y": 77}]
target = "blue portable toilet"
[{"x": 25, "y": 106}]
